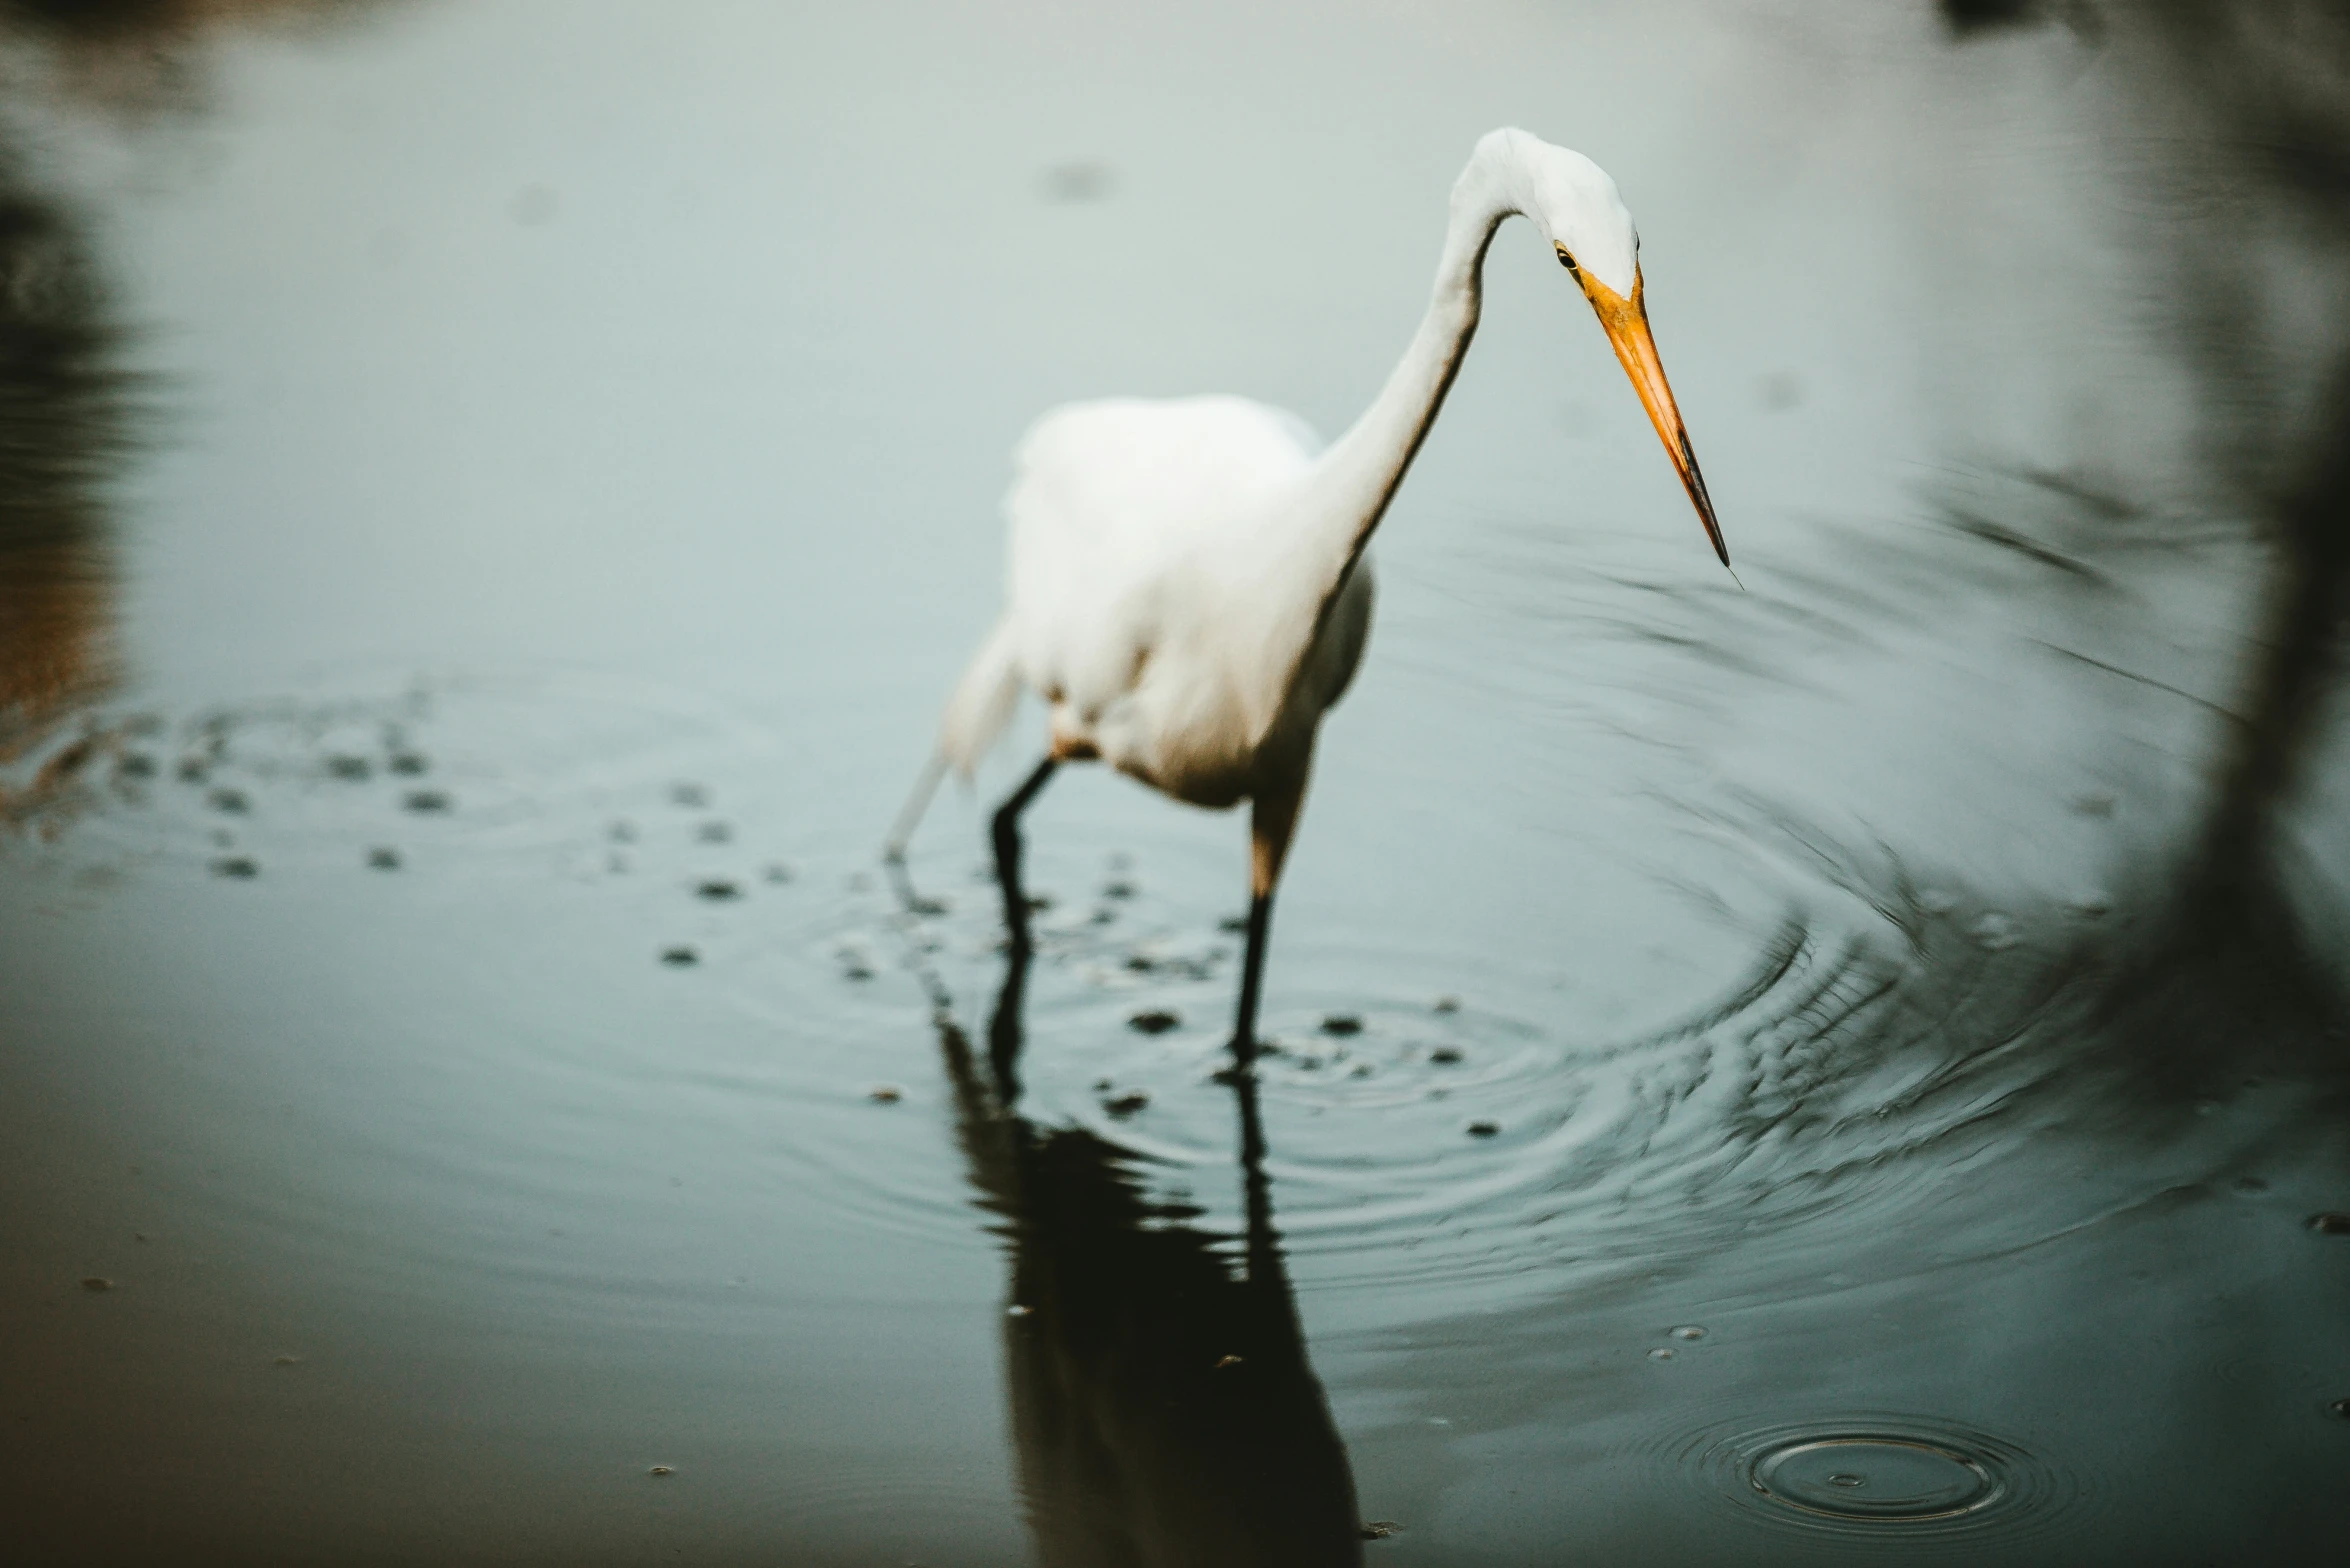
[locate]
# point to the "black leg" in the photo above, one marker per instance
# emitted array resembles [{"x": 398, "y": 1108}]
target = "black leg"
[
  {"x": 1007, "y": 852},
  {"x": 1252, "y": 978}
]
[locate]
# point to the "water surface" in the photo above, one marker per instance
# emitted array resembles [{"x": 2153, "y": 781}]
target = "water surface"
[{"x": 1844, "y": 1069}]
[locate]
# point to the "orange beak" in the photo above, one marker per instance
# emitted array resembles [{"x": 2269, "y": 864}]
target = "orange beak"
[{"x": 1626, "y": 321}]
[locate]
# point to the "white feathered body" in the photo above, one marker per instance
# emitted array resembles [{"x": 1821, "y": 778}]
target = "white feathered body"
[{"x": 1162, "y": 600}]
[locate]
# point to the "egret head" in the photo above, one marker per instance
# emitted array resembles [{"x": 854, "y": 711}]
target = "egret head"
[{"x": 1577, "y": 208}]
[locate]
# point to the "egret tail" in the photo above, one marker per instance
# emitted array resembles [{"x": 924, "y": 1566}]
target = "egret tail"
[{"x": 975, "y": 716}]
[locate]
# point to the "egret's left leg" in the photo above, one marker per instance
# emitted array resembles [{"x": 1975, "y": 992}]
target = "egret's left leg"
[
  {"x": 1007, "y": 852},
  {"x": 1272, "y": 819}
]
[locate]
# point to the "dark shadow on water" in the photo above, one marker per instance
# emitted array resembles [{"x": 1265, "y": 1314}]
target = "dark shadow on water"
[
  {"x": 1163, "y": 1407},
  {"x": 67, "y": 418}
]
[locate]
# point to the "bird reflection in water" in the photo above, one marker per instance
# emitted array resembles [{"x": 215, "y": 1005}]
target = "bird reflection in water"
[{"x": 1163, "y": 1408}]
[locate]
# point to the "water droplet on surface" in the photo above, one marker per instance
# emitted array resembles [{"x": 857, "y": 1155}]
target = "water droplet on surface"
[
  {"x": 1156, "y": 1021},
  {"x": 1661, "y": 1353},
  {"x": 1995, "y": 932},
  {"x": 1687, "y": 1331},
  {"x": 1874, "y": 1478}
]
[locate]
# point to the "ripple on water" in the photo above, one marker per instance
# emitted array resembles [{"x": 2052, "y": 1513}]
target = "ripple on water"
[
  {"x": 1431, "y": 1141},
  {"x": 1874, "y": 1479}
]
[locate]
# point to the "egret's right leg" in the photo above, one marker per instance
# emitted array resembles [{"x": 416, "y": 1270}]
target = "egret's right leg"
[
  {"x": 1007, "y": 853},
  {"x": 1272, "y": 818}
]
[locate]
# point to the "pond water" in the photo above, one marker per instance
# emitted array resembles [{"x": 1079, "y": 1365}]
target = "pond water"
[{"x": 1848, "y": 1067}]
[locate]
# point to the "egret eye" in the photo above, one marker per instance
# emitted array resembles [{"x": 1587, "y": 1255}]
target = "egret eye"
[{"x": 1568, "y": 262}]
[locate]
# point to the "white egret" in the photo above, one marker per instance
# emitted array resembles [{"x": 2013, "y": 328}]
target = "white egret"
[{"x": 1187, "y": 585}]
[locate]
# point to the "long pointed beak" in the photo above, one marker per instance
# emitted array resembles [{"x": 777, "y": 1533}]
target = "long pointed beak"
[{"x": 1626, "y": 321}]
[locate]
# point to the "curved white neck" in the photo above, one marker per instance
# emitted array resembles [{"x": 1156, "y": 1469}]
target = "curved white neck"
[
  {"x": 1329, "y": 519},
  {"x": 1355, "y": 479}
]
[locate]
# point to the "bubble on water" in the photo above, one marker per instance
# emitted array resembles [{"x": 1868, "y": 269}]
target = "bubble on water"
[
  {"x": 1687, "y": 1331},
  {"x": 1661, "y": 1353}
]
